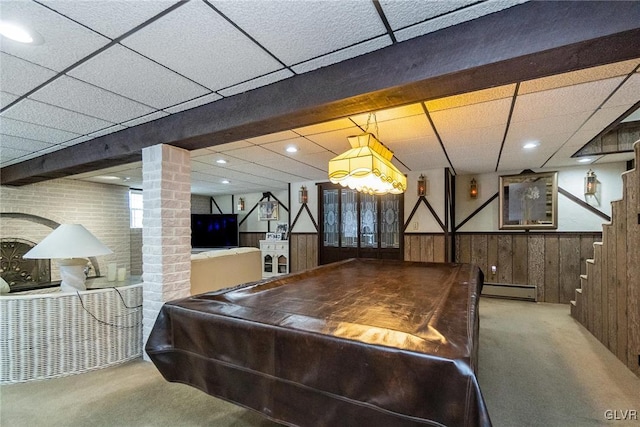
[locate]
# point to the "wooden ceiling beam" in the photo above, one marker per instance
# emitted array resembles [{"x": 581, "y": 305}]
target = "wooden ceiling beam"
[{"x": 527, "y": 41}]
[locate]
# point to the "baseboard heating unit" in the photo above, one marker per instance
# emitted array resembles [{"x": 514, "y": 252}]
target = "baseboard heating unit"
[{"x": 501, "y": 290}]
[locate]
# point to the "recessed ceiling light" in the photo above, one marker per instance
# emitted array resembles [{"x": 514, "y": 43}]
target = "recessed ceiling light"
[
  {"x": 109, "y": 177},
  {"x": 584, "y": 160},
  {"x": 225, "y": 181},
  {"x": 530, "y": 145},
  {"x": 292, "y": 149},
  {"x": 221, "y": 161},
  {"x": 19, "y": 33}
]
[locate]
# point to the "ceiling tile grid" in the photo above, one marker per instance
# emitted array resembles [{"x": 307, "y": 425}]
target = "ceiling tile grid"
[
  {"x": 129, "y": 74},
  {"x": 81, "y": 97},
  {"x": 19, "y": 76},
  {"x": 65, "y": 42},
  {"x": 217, "y": 62},
  {"x": 32, "y": 131}
]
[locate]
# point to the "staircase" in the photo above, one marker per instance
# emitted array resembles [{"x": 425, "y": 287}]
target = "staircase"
[{"x": 608, "y": 300}]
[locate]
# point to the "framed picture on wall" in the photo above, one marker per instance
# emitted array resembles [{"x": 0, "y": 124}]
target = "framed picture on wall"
[
  {"x": 268, "y": 211},
  {"x": 529, "y": 201}
]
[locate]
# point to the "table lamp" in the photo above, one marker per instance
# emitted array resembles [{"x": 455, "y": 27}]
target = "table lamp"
[{"x": 70, "y": 245}]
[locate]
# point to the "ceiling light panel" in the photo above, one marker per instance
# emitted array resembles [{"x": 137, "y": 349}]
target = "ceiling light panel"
[
  {"x": 20, "y": 76},
  {"x": 140, "y": 79},
  {"x": 81, "y": 97},
  {"x": 48, "y": 115},
  {"x": 203, "y": 46},
  {"x": 306, "y": 29},
  {"x": 462, "y": 15},
  {"x": 32, "y": 131},
  {"x": 66, "y": 42},
  {"x": 111, "y": 18}
]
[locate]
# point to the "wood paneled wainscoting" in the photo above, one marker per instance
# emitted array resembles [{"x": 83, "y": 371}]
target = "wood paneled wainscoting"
[
  {"x": 552, "y": 261},
  {"x": 425, "y": 247},
  {"x": 304, "y": 251},
  {"x": 251, "y": 239}
]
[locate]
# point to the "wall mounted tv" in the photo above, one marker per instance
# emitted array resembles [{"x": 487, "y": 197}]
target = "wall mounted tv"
[{"x": 214, "y": 231}]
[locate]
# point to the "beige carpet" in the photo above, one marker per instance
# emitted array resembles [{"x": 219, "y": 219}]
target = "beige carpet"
[{"x": 538, "y": 367}]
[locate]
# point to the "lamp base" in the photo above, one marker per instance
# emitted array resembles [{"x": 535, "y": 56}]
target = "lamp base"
[{"x": 72, "y": 274}]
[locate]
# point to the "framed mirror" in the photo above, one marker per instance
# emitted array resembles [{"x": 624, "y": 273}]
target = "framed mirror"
[{"x": 529, "y": 201}]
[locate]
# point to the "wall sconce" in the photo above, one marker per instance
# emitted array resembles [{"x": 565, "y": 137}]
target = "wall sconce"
[
  {"x": 473, "y": 189},
  {"x": 303, "y": 196},
  {"x": 240, "y": 204},
  {"x": 590, "y": 183},
  {"x": 422, "y": 186}
]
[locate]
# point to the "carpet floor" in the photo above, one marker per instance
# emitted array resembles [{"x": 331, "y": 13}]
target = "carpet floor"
[{"x": 538, "y": 367}]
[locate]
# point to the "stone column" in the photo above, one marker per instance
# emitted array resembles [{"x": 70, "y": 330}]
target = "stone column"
[{"x": 166, "y": 232}]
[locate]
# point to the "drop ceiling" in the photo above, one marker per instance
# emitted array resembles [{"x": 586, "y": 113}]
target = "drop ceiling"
[{"x": 105, "y": 67}]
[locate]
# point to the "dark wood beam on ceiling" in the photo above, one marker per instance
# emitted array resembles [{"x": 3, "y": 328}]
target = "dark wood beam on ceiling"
[{"x": 527, "y": 41}]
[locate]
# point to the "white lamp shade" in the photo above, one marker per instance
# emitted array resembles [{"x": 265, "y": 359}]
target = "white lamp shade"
[{"x": 68, "y": 241}]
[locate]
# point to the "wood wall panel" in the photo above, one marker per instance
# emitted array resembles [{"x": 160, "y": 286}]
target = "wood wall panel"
[
  {"x": 609, "y": 239},
  {"x": 304, "y": 251},
  {"x": 551, "y": 269},
  {"x": 251, "y": 240},
  {"x": 548, "y": 260},
  {"x": 424, "y": 247},
  {"x": 632, "y": 197},
  {"x": 536, "y": 265},
  {"x": 569, "y": 253},
  {"x": 620, "y": 212}
]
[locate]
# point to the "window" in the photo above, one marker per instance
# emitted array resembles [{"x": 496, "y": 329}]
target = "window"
[{"x": 135, "y": 208}]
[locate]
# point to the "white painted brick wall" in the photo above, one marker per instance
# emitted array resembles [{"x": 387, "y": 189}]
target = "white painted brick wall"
[
  {"x": 102, "y": 208},
  {"x": 166, "y": 232}
]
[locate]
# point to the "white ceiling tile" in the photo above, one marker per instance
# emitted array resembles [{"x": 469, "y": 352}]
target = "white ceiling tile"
[
  {"x": 335, "y": 141},
  {"x": 210, "y": 160},
  {"x": 402, "y": 14},
  {"x": 81, "y": 97},
  {"x": 203, "y": 46},
  {"x": 618, "y": 157},
  {"x": 8, "y": 154},
  {"x": 602, "y": 118},
  {"x": 255, "y": 154},
  {"x": 421, "y": 155},
  {"x": 257, "y": 82},
  {"x": 476, "y": 97},
  {"x": 258, "y": 172},
  {"x": 563, "y": 100},
  {"x": 194, "y": 103},
  {"x": 627, "y": 95},
  {"x": 111, "y": 18},
  {"x": 6, "y": 98},
  {"x": 9, "y": 141},
  {"x": 577, "y": 77},
  {"x": 473, "y": 149},
  {"x": 31, "y": 111},
  {"x": 303, "y": 145},
  {"x": 106, "y": 131},
  {"x": 32, "y": 131},
  {"x": 273, "y": 137},
  {"x": 65, "y": 42},
  {"x": 465, "y": 14},
  {"x": 473, "y": 116},
  {"x": 388, "y": 114},
  {"x": 145, "y": 119},
  {"x": 223, "y": 148},
  {"x": 342, "y": 54},
  {"x": 324, "y": 127},
  {"x": 126, "y": 73},
  {"x": 299, "y": 25},
  {"x": 19, "y": 76}
]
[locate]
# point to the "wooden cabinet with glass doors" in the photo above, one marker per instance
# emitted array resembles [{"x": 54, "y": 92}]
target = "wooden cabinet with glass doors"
[{"x": 356, "y": 225}]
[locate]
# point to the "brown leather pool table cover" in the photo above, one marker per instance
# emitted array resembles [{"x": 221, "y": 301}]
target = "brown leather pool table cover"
[{"x": 354, "y": 343}]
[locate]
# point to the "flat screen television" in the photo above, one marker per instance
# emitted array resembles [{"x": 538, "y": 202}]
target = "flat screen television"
[{"x": 214, "y": 231}]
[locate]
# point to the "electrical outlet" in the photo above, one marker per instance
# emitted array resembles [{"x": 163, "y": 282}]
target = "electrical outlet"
[{"x": 415, "y": 225}]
